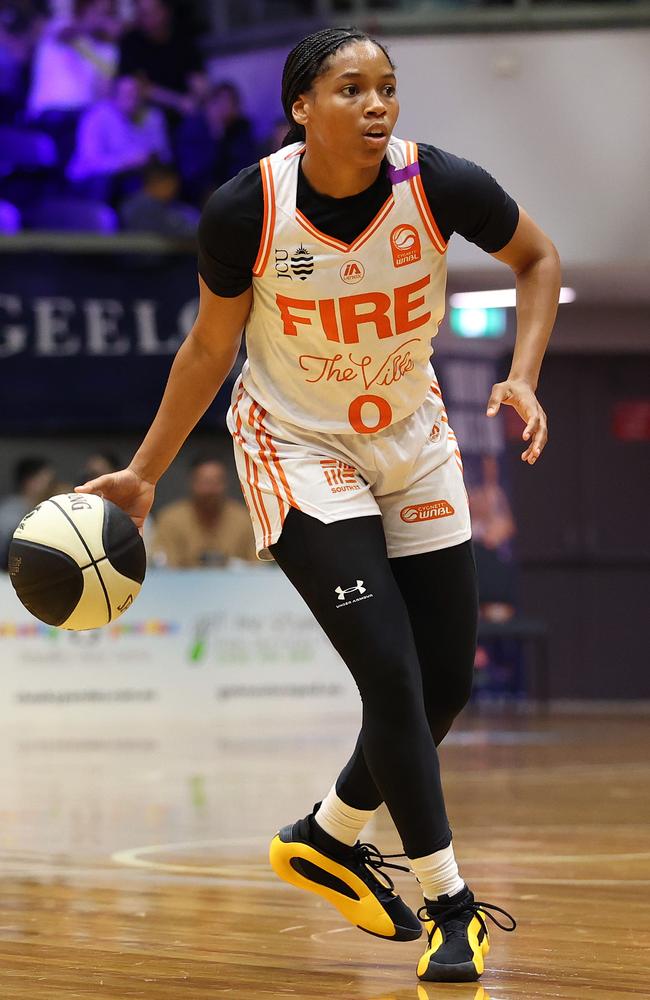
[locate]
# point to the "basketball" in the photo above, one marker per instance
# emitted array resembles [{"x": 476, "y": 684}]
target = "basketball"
[{"x": 77, "y": 561}]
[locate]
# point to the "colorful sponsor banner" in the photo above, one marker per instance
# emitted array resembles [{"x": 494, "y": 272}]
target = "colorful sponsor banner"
[{"x": 197, "y": 643}]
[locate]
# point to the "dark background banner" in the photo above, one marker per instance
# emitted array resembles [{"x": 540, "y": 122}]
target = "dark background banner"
[{"x": 87, "y": 340}]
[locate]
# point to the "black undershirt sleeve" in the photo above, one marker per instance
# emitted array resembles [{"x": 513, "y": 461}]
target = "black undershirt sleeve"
[
  {"x": 229, "y": 233},
  {"x": 464, "y": 198}
]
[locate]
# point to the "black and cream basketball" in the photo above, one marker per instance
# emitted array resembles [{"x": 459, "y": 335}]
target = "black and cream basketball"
[{"x": 77, "y": 561}]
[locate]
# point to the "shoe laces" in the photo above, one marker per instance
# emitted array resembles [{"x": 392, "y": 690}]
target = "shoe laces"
[
  {"x": 454, "y": 927},
  {"x": 368, "y": 854}
]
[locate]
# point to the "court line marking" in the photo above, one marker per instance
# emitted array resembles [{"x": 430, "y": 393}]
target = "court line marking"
[
  {"x": 561, "y": 858},
  {"x": 194, "y": 875},
  {"x": 132, "y": 858},
  {"x": 319, "y": 935}
]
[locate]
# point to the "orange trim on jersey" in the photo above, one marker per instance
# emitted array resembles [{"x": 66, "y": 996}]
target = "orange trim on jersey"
[
  {"x": 276, "y": 461},
  {"x": 253, "y": 482},
  {"x": 239, "y": 438},
  {"x": 252, "y": 489},
  {"x": 420, "y": 198},
  {"x": 411, "y": 152},
  {"x": 258, "y": 428},
  {"x": 260, "y": 496},
  {"x": 247, "y": 461},
  {"x": 268, "y": 223},
  {"x": 296, "y": 152},
  {"x": 331, "y": 241}
]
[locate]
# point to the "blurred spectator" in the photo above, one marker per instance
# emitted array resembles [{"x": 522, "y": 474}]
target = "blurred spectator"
[
  {"x": 493, "y": 524},
  {"x": 98, "y": 463},
  {"x": 21, "y": 22},
  {"x": 493, "y": 529},
  {"x": 214, "y": 144},
  {"x": 156, "y": 209},
  {"x": 163, "y": 54},
  {"x": 75, "y": 59},
  {"x": 273, "y": 141},
  {"x": 115, "y": 141},
  {"x": 34, "y": 480},
  {"x": 208, "y": 527}
]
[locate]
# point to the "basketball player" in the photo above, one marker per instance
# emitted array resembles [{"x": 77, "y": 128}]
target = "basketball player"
[{"x": 332, "y": 254}]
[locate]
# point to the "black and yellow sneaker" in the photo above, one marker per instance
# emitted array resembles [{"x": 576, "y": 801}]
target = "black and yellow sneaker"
[
  {"x": 347, "y": 877},
  {"x": 458, "y": 938}
]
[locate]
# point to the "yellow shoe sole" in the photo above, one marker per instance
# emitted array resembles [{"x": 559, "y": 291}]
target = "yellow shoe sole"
[{"x": 354, "y": 900}]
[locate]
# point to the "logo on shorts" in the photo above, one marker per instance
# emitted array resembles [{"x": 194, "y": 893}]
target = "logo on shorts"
[
  {"x": 359, "y": 589},
  {"x": 405, "y": 245},
  {"x": 302, "y": 263},
  {"x": 352, "y": 271},
  {"x": 426, "y": 511},
  {"x": 434, "y": 434},
  {"x": 340, "y": 478}
]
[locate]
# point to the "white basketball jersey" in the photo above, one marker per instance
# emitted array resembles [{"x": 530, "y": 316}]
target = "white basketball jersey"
[{"x": 339, "y": 335}]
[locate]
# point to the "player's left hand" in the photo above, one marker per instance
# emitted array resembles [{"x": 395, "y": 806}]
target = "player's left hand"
[{"x": 520, "y": 394}]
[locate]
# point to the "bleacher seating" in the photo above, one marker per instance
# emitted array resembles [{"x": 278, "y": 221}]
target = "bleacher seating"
[
  {"x": 9, "y": 218},
  {"x": 26, "y": 148},
  {"x": 70, "y": 214}
]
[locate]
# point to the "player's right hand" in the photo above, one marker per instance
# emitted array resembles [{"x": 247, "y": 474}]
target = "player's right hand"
[{"x": 126, "y": 489}]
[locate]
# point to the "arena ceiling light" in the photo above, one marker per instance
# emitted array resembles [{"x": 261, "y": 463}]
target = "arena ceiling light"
[{"x": 497, "y": 298}]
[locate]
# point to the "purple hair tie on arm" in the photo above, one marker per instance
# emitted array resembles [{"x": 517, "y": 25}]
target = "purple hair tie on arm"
[{"x": 398, "y": 174}]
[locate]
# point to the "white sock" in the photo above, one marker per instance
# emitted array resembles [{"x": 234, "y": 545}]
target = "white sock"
[
  {"x": 437, "y": 873},
  {"x": 341, "y": 821}
]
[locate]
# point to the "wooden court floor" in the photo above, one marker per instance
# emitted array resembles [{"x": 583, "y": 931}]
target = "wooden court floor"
[{"x": 134, "y": 861}]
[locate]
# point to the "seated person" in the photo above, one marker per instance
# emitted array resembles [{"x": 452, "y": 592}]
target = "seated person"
[
  {"x": 75, "y": 59},
  {"x": 162, "y": 53},
  {"x": 34, "y": 480},
  {"x": 155, "y": 209},
  {"x": 21, "y": 24},
  {"x": 119, "y": 136},
  {"x": 215, "y": 143},
  {"x": 208, "y": 527}
]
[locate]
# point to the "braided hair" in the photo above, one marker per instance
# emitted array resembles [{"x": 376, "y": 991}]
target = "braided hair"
[{"x": 305, "y": 63}]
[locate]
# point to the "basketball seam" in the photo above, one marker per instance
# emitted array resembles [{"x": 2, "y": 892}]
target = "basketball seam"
[{"x": 90, "y": 556}]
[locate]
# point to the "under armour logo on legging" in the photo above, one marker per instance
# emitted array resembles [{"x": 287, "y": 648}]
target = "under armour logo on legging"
[{"x": 349, "y": 590}]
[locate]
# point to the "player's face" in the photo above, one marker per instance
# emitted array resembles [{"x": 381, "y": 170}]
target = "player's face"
[{"x": 352, "y": 107}]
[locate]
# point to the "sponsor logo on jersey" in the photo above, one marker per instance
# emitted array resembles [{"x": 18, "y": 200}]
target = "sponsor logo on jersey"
[
  {"x": 405, "y": 245},
  {"x": 341, "y": 319},
  {"x": 426, "y": 511},
  {"x": 359, "y": 589},
  {"x": 434, "y": 434},
  {"x": 352, "y": 271},
  {"x": 302, "y": 263},
  {"x": 340, "y": 478},
  {"x": 282, "y": 263}
]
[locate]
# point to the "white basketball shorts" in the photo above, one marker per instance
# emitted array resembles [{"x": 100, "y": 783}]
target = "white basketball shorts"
[{"x": 410, "y": 473}]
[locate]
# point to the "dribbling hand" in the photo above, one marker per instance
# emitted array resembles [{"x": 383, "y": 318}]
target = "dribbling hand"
[
  {"x": 520, "y": 394},
  {"x": 126, "y": 489}
]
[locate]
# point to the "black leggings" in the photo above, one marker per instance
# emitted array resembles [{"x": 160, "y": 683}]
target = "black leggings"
[{"x": 406, "y": 628}]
